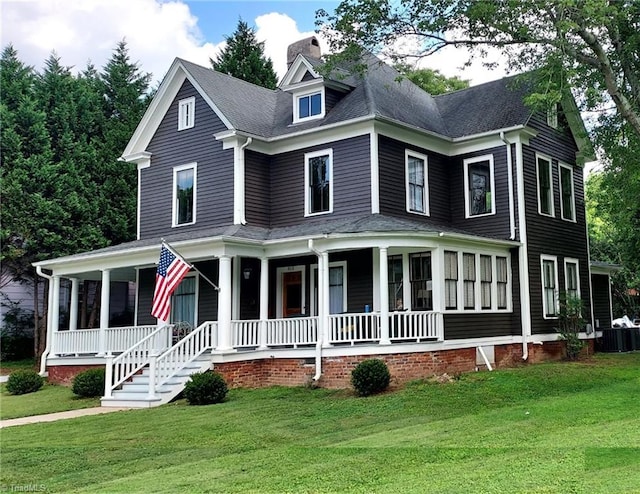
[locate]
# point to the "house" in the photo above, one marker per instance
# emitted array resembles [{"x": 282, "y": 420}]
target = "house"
[{"x": 342, "y": 217}]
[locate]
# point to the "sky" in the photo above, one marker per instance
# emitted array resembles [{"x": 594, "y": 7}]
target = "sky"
[{"x": 157, "y": 31}]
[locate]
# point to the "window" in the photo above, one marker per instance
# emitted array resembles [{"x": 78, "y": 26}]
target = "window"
[
  {"x": 469, "y": 277},
  {"x": 552, "y": 116},
  {"x": 318, "y": 183},
  {"x": 417, "y": 185},
  {"x": 545, "y": 192},
  {"x": 501, "y": 278},
  {"x": 451, "y": 280},
  {"x": 479, "y": 186},
  {"x": 550, "y": 301},
  {"x": 421, "y": 281},
  {"x": 572, "y": 285},
  {"x": 486, "y": 272},
  {"x": 184, "y": 195},
  {"x": 183, "y": 303},
  {"x": 567, "y": 203},
  {"x": 395, "y": 272},
  {"x": 309, "y": 106},
  {"x": 337, "y": 288},
  {"x": 186, "y": 113}
]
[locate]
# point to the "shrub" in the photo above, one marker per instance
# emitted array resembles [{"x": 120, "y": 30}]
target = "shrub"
[
  {"x": 205, "y": 388},
  {"x": 89, "y": 383},
  {"x": 24, "y": 381},
  {"x": 571, "y": 323},
  {"x": 370, "y": 376}
]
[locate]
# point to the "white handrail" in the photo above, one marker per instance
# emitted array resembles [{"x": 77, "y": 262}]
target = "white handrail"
[{"x": 125, "y": 365}]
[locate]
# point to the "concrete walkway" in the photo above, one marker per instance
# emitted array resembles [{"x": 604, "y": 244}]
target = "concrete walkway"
[{"x": 51, "y": 417}]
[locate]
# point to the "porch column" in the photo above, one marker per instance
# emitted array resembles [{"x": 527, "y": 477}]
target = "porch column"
[
  {"x": 73, "y": 309},
  {"x": 224, "y": 305},
  {"x": 384, "y": 297},
  {"x": 54, "y": 326},
  {"x": 323, "y": 284},
  {"x": 264, "y": 302},
  {"x": 105, "y": 294}
]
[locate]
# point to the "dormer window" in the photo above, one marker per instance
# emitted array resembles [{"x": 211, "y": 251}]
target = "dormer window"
[
  {"x": 308, "y": 106},
  {"x": 186, "y": 113}
]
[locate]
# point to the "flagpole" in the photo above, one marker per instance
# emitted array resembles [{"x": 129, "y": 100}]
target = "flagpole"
[{"x": 175, "y": 253}]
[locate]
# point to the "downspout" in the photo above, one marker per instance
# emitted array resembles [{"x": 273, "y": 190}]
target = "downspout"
[
  {"x": 512, "y": 220},
  {"x": 45, "y": 354},
  {"x": 321, "y": 318},
  {"x": 240, "y": 184},
  {"x": 523, "y": 256}
]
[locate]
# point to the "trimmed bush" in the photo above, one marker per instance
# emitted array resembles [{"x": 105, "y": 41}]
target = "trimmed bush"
[
  {"x": 370, "y": 376},
  {"x": 24, "y": 381},
  {"x": 205, "y": 388},
  {"x": 89, "y": 383}
]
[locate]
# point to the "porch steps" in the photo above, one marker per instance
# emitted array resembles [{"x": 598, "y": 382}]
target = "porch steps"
[{"x": 135, "y": 393}]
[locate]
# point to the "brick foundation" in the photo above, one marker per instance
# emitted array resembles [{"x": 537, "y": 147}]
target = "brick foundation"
[{"x": 64, "y": 374}]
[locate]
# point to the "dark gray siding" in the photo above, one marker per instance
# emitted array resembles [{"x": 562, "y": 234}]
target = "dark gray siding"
[
  {"x": 601, "y": 307},
  {"x": 169, "y": 148},
  {"x": 146, "y": 284},
  {"x": 351, "y": 182},
  {"x": 553, "y": 236},
  {"x": 257, "y": 189},
  {"x": 392, "y": 181},
  {"x": 494, "y": 225},
  {"x": 478, "y": 325}
]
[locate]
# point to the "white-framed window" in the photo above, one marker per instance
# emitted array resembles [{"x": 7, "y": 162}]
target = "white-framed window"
[
  {"x": 479, "y": 187},
  {"x": 417, "y": 183},
  {"x": 567, "y": 197},
  {"x": 502, "y": 277},
  {"x": 450, "y": 280},
  {"x": 550, "y": 294},
  {"x": 308, "y": 106},
  {"x": 571, "y": 277},
  {"x": 337, "y": 288},
  {"x": 545, "y": 185},
  {"x": 318, "y": 182},
  {"x": 184, "y": 194},
  {"x": 469, "y": 280},
  {"x": 395, "y": 277},
  {"x": 552, "y": 116},
  {"x": 420, "y": 273},
  {"x": 186, "y": 113},
  {"x": 486, "y": 281}
]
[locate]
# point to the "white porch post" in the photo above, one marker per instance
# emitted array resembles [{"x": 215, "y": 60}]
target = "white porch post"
[
  {"x": 323, "y": 284},
  {"x": 105, "y": 294},
  {"x": 54, "y": 326},
  {"x": 224, "y": 305},
  {"x": 384, "y": 297},
  {"x": 264, "y": 302},
  {"x": 73, "y": 309}
]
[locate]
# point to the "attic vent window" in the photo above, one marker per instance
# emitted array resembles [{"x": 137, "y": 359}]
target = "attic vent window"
[
  {"x": 186, "y": 113},
  {"x": 309, "y": 106},
  {"x": 552, "y": 116}
]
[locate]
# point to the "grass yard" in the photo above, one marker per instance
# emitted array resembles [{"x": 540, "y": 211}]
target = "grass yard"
[
  {"x": 49, "y": 399},
  {"x": 547, "y": 428},
  {"x": 8, "y": 366}
]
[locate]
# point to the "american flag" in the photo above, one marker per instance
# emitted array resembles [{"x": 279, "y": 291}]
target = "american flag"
[{"x": 171, "y": 270}]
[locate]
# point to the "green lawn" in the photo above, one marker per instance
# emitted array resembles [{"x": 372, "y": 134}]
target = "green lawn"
[
  {"x": 8, "y": 366},
  {"x": 547, "y": 428},
  {"x": 49, "y": 399}
]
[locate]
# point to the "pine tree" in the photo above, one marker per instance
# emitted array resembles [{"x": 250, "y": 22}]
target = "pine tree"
[{"x": 243, "y": 57}]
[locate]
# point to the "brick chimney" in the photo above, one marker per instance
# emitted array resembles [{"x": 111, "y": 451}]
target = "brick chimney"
[{"x": 308, "y": 47}]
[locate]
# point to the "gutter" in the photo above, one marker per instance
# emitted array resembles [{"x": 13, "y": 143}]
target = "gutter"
[
  {"x": 321, "y": 318},
  {"x": 47, "y": 350}
]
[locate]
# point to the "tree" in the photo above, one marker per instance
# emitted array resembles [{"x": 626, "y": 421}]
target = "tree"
[
  {"x": 590, "y": 45},
  {"x": 243, "y": 57},
  {"x": 433, "y": 81}
]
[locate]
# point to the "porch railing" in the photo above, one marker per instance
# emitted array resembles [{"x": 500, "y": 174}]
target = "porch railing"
[
  {"x": 354, "y": 328},
  {"x": 416, "y": 326},
  {"x": 245, "y": 334},
  {"x": 125, "y": 365},
  {"x": 87, "y": 341},
  {"x": 295, "y": 331}
]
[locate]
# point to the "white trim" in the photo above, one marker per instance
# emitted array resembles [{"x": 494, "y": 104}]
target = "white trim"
[
  {"x": 467, "y": 199},
  {"x": 523, "y": 254},
  {"x": 186, "y": 113},
  {"x": 174, "y": 197},
  {"x": 307, "y": 192},
  {"x": 425, "y": 173},
  {"x": 334, "y": 264},
  {"x": 307, "y": 94},
  {"x": 375, "y": 172},
  {"x": 296, "y": 72},
  {"x": 572, "y": 260},
  {"x": 554, "y": 259},
  {"x": 289, "y": 269},
  {"x": 552, "y": 212},
  {"x": 573, "y": 193},
  {"x": 376, "y": 279}
]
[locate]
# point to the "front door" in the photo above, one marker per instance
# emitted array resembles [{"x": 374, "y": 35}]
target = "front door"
[{"x": 292, "y": 293}]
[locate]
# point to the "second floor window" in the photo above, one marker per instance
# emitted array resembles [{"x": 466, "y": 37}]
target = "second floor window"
[
  {"x": 545, "y": 191},
  {"x": 479, "y": 186},
  {"x": 417, "y": 184},
  {"x": 186, "y": 113},
  {"x": 567, "y": 203},
  {"x": 318, "y": 182},
  {"x": 184, "y": 195}
]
